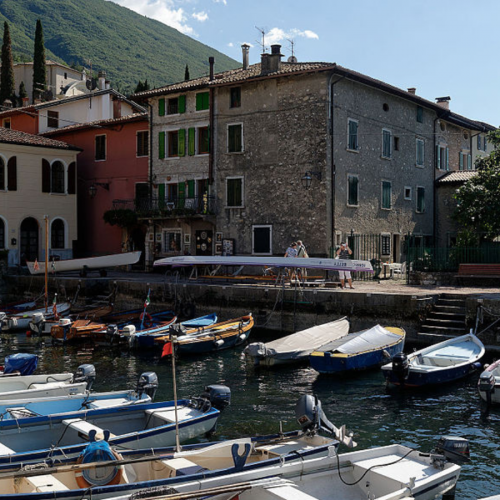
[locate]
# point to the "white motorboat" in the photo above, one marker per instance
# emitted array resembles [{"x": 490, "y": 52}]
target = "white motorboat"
[
  {"x": 488, "y": 384},
  {"x": 21, "y": 321}
]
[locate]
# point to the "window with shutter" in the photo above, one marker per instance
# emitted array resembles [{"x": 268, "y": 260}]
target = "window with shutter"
[
  {"x": 191, "y": 141},
  {"x": 352, "y": 141},
  {"x": 386, "y": 143},
  {"x": 2, "y": 175},
  {"x": 57, "y": 178},
  {"x": 161, "y": 107},
  {"x": 420, "y": 199},
  {"x": 235, "y": 138},
  {"x": 100, "y": 147},
  {"x": 12, "y": 173},
  {"x": 420, "y": 114},
  {"x": 72, "y": 178},
  {"x": 420, "y": 152},
  {"x": 45, "y": 176},
  {"x": 203, "y": 147},
  {"x": 234, "y": 192},
  {"x": 182, "y": 142},
  {"x": 386, "y": 195},
  {"x": 235, "y": 101},
  {"x": 57, "y": 234},
  {"x": 173, "y": 106},
  {"x": 161, "y": 145},
  {"x": 353, "y": 190},
  {"x": 182, "y": 104},
  {"x": 142, "y": 143},
  {"x": 202, "y": 101}
]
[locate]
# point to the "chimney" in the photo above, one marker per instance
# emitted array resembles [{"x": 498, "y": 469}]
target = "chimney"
[
  {"x": 270, "y": 63},
  {"x": 444, "y": 101},
  {"x": 245, "y": 48},
  {"x": 412, "y": 90},
  {"x": 26, "y": 101},
  {"x": 211, "y": 61},
  {"x": 102, "y": 80},
  {"x": 7, "y": 103}
]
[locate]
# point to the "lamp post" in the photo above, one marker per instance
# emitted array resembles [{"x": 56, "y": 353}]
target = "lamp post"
[
  {"x": 95, "y": 185},
  {"x": 307, "y": 178}
]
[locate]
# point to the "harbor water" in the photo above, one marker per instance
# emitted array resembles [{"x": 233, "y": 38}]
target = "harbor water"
[{"x": 262, "y": 398}]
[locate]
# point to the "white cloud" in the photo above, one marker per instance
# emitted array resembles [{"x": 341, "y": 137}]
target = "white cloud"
[
  {"x": 221, "y": 1},
  {"x": 277, "y": 35},
  {"x": 161, "y": 10},
  {"x": 200, "y": 16}
]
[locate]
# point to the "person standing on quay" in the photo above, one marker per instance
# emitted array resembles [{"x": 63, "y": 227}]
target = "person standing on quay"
[
  {"x": 291, "y": 251},
  {"x": 302, "y": 253},
  {"x": 344, "y": 252}
]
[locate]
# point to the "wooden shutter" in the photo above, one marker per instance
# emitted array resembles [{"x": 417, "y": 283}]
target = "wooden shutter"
[
  {"x": 12, "y": 174},
  {"x": 161, "y": 107},
  {"x": 161, "y": 145},
  {"x": 182, "y": 104},
  {"x": 182, "y": 142},
  {"x": 190, "y": 193},
  {"x": 72, "y": 178},
  {"x": 45, "y": 176},
  {"x": 161, "y": 195},
  {"x": 191, "y": 141},
  {"x": 460, "y": 161},
  {"x": 469, "y": 162},
  {"x": 438, "y": 157}
]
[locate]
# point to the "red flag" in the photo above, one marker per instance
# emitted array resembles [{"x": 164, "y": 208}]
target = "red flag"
[
  {"x": 36, "y": 267},
  {"x": 167, "y": 349}
]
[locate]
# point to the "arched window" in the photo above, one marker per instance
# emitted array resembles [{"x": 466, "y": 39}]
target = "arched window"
[
  {"x": 57, "y": 177},
  {"x": 2, "y": 175},
  {"x": 57, "y": 234},
  {"x": 2, "y": 234}
]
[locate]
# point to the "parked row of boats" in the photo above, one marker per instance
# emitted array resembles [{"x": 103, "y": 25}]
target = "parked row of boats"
[{"x": 122, "y": 445}]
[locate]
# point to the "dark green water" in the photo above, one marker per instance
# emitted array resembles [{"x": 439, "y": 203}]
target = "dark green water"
[{"x": 263, "y": 398}]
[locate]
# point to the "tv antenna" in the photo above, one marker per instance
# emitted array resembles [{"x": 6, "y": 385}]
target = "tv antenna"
[
  {"x": 91, "y": 82},
  {"x": 263, "y": 42},
  {"x": 292, "y": 58}
]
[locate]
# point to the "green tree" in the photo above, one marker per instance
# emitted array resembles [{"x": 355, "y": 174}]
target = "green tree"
[
  {"x": 39, "y": 71},
  {"x": 7, "y": 86},
  {"x": 478, "y": 200},
  {"x": 186, "y": 73},
  {"x": 22, "y": 93}
]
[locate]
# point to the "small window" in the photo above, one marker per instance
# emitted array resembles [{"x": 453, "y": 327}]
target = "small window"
[
  {"x": 53, "y": 119},
  {"x": 420, "y": 200},
  {"x": 385, "y": 240},
  {"x": 100, "y": 147},
  {"x": 442, "y": 126},
  {"x": 466, "y": 135},
  {"x": 172, "y": 241},
  {"x": 442, "y": 160},
  {"x": 57, "y": 178},
  {"x": 420, "y": 152},
  {"x": 235, "y": 97},
  {"x": 407, "y": 193},
  {"x": 6, "y": 123},
  {"x": 173, "y": 106},
  {"x": 3, "y": 173},
  {"x": 386, "y": 143},
  {"x": 386, "y": 195},
  {"x": 234, "y": 192},
  {"x": 352, "y": 140},
  {"x": 173, "y": 143},
  {"x": 203, "y": 141},
  {"x": 396, "y": 143},
  {"x": 262, "y": 238},
  {"x": 235, "y": 138},
  {"x": 142, "y": 143},
  {"x": 202, "y": 101},
  {"x": 420, "y": 114},
  {"x": 385, "y": 107},
  {"x": 353, "y": 190}
]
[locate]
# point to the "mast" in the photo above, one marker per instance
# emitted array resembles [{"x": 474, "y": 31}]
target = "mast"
[{"x": 46, "y": 262}]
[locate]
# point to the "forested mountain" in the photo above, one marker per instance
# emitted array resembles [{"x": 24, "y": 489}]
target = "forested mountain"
[{"x": 128, "y": 46}]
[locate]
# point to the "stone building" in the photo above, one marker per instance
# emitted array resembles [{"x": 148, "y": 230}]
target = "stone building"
[{"x": 277, "y": 151}]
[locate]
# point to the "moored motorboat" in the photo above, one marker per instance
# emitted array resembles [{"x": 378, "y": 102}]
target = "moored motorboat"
[
  {"x": 219, "y": 336},
  {"x": 437, "y": 364},
  {"x": 488, "y": 384},
  {"x": 297, "y": 347},
  {"x": 21, "y": 321},
  {"x": 358, "y": 351},
  {"x": 143, "y": 425},
  {"x": 108, "y": 472}
]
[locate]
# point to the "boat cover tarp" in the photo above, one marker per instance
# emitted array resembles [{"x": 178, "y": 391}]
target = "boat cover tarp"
[
  {"x": 21, "y": 362},
  {"x": 366, "y": 340},
  {"x": 299, "y": 345}
]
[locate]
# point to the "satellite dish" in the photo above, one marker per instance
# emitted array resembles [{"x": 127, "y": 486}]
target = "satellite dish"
[
  {"x": 91, "y": 83},
  {"x": 292, "y": 59}
]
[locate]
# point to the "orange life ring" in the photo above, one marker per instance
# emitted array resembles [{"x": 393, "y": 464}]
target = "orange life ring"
[
  {"x": 84, "y": 483},
  {"x": 146, "y": 320}
]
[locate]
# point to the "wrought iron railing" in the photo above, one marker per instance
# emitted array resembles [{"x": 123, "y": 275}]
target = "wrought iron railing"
[{"x": 177, "y": 207}]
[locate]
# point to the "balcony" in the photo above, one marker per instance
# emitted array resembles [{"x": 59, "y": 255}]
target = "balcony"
[{"x": 198, "y": 206}]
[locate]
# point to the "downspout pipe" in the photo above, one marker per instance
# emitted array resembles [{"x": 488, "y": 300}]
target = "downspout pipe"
[{"x": 211, "y": 121}]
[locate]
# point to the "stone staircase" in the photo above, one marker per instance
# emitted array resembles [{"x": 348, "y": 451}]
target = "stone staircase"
[{"x": 445, "y": 320}]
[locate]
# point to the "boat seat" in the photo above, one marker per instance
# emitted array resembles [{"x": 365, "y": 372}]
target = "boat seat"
[
  {"x": 48, "y": 385},
  {"x": 83, "y": 428},
  {"x": 107, "y": 403},
  {"x": 181, "y": 467},
  {"x": 43, "y": 483},
  {"x": 168, "y": 416},
  {"x": 5, "y": 450}
]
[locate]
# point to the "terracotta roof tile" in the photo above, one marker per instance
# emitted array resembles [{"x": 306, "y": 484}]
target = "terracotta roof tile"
[
  {"x": 456, "y": 177},
  {"x": 9, "y": 136}
]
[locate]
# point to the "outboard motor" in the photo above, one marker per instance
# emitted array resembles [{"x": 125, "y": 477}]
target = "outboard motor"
[
  {"x": 311, "y": 417},
  {"x": 455, "y": 449},
  {"x": 3, "y": 318},
  {"x": 111, "y": 332},
  {"x": 401, "y": 367},
  {"x": 37, "y": 323},
  {"x": 85, "y": 373},
  {"x": 486, "y": 384},
  {"x": 218, "y": 395},
  {"x": 148, "y": 384}
]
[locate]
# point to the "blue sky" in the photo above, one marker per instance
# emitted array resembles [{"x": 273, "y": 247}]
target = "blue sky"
[{"x": 441, "y": 47}]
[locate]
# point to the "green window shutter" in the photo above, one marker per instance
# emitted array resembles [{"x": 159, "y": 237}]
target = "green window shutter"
[
  {"x": 182, "y": 142},
  {"x": 460, "y": 161},
  {"x": 198, "y": 102},
  {"x": 353, "y": 190},
  {"x": 447, "y": 166},
  {"x": 469, "y": 162},
  {"x": 206, "y": 100},
  {"x": 438, "y": 157},
  {"x": 161, "y": 107},
  {"x": 202, "y": 101},
  {"x": 190, "y": 193},
  {"x": 182, "y": 104},
  {"x": 181, "y": 194},
  {"x": 161, "y": 196},
  {"x": 161, "y": 145},
  {"x": 191, "y": 141}
]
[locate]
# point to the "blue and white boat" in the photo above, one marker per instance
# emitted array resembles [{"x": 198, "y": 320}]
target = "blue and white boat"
[
  {"x": 358, "y": 351},
  {"x": 129, "y": 473},
  {"x": 438, "y": 364},
  {"x": 15, "y": 409},
  {"x": 144, "y": 425}
]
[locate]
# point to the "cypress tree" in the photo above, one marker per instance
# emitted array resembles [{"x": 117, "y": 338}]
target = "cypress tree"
[
  {"x": 39, "y": 72},
  {"x": 7, "y": 88},
  {"x": 186, "y": 73},
  {"x": 22, "y": 93}
]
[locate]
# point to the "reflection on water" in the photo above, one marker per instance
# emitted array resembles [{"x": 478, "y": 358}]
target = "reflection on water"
[{"x": 262, "y": 398}]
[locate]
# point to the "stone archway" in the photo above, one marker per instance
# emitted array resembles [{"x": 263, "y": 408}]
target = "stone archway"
[{"x": 29, "y": 240}]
